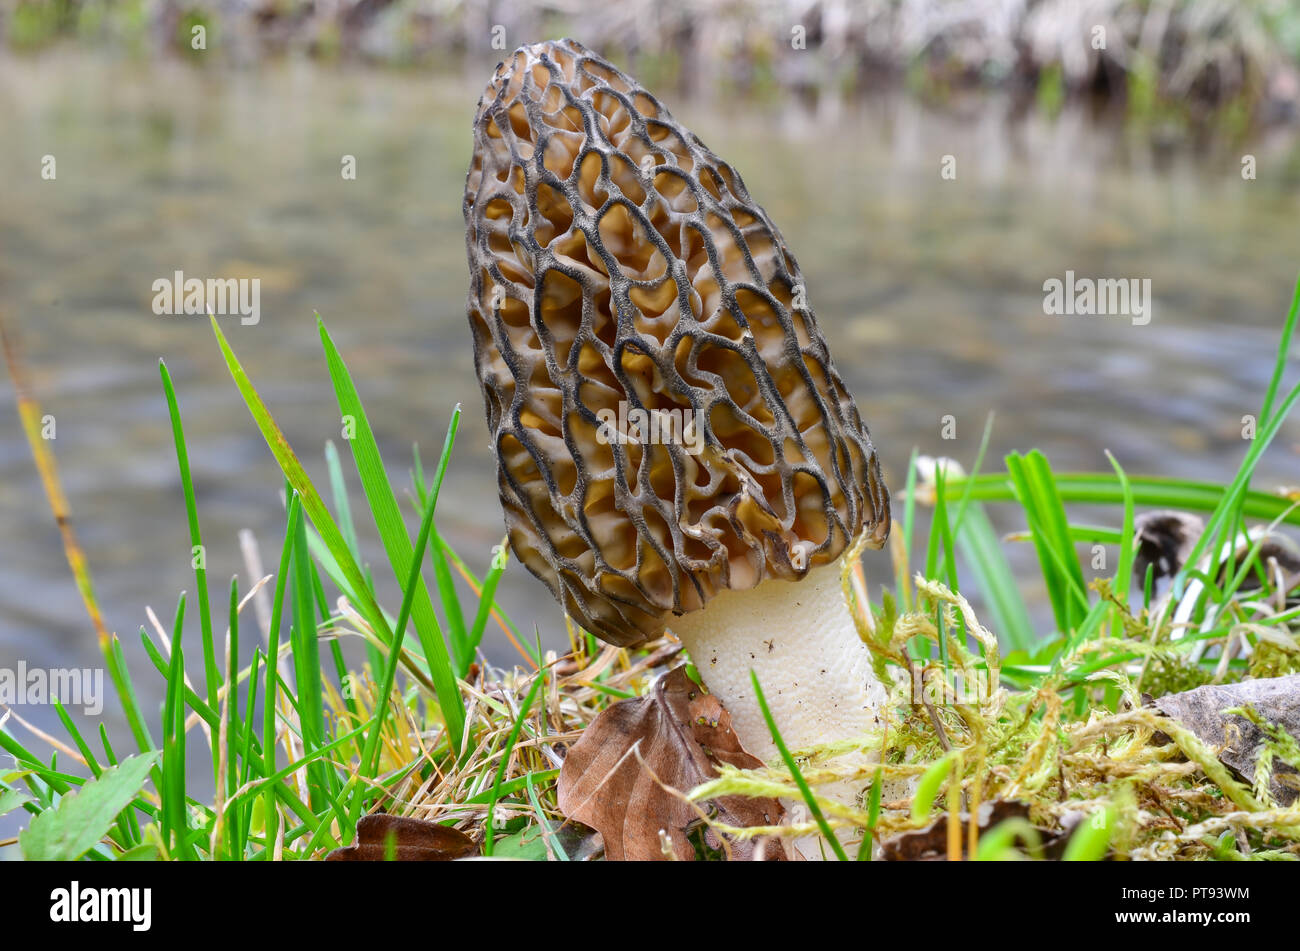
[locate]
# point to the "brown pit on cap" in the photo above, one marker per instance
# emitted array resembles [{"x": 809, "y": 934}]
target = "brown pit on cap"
[{"x": 617, "y": 264}]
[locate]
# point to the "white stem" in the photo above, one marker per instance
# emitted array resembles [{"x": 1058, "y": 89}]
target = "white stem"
[{"x": 800, "y": 639}]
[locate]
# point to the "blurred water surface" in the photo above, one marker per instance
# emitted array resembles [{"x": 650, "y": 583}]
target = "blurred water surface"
[{"x": 928, "y": 290}]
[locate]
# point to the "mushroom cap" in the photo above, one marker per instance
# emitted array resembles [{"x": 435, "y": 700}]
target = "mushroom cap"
[{"x": 664, "y": 413}]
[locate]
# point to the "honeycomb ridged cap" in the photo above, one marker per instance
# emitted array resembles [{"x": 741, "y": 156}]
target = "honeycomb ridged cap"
[{"x": 665, "y": 416}]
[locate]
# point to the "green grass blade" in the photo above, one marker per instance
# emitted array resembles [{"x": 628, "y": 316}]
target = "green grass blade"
[
  {"x": 122, "y": 683},
  {"x": 1052, "y": 511},
  {"x": 392, "y": 532},
  {"x": 1105, "y": 488},
  {"x": 1126, "y": 553},
  {"x": 198, "y": 554},
  {"x": 795, "y": 773},
  {"x": 370, "y": 756},
  {"x": 458, "y": 634},
  {"x": 70, "y": 725},
  {"x": 131, "y": 828},
  {"x": 975, "y": 470},
  {"x": 1283, "y": 353},
  {"x": 904, "y": 570},
  {"x": 305, "y": 650},
  {"x": 499, "y": 563},
  {"x": 874, "y": 796},
  {"x": 487, "y": 595},
  {"x": 981, "y": 550},
  {"x": 449, "y": 699},
  {"x": 1232, "y": 505},
  {"x": 1045, "y": 514},
  {"x": 232, "y": 713},
  {"x": 488, "y": 835},
  {"x": 270, "y": 702},
  {"x": 339, "y": 492},
  {"x": 245, "y": 812},
  {"x": 172, "y": 793}
]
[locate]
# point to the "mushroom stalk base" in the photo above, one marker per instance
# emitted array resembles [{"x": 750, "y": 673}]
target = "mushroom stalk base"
[{"x": 801, "y": 641}]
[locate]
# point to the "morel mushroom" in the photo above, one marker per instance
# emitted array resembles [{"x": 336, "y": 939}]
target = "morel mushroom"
[{"x": 674, "y": 446}]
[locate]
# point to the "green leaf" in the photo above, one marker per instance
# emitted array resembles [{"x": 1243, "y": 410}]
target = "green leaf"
[
  {"x": 528, "y": 844},
  {"x": 11, "y": 799},
  {"x": 148, "y": 852},
  {"x": 928, "y": 787},
  {"x": 999, "y": 843},
  {"x": 1091, "y": 840},
  {"x": 82, "y": 818}
]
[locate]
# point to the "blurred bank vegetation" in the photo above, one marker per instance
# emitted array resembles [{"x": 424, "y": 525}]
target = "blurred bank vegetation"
[{"x": 1196, "y": 57}]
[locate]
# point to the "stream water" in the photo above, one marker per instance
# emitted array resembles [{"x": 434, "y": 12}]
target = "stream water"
[{"x": 929, "y": 291}]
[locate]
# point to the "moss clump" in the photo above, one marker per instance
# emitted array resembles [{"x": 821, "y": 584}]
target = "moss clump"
[{"x": 1152, "y": 788}]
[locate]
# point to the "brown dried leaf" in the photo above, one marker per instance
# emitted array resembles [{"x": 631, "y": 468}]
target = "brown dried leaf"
[
  {"x": 416, "y": 840},
  {"x": 613, "y": 778},
  {"x": 1276, "y": 699}
]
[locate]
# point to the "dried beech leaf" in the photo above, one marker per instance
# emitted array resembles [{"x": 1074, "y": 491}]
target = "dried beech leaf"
[
  {"x": 1276, "y": 699},
  {"x": 414, "y": 840},
  {"x": 677, "y": 733}
]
